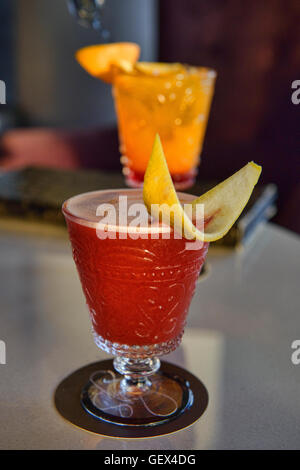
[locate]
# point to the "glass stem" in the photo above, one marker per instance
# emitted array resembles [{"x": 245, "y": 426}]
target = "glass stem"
[{"x": 137, "y": 373}]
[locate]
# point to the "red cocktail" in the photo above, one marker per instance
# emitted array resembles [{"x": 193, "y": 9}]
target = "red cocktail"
[
  {"x": 138, "y": 286},
  {"x": 139, "y": 278},
  {"x": 138, "y": 290}
]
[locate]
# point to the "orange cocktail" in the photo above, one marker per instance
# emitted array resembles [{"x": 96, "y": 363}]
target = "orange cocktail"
[{"x": 170, "y": 99}]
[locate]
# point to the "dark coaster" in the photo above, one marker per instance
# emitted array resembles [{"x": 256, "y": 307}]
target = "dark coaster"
[{"x": 68, "y": 403}]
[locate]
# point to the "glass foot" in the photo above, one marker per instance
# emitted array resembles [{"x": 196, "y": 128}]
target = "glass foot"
[
  {"x": 112, "y": 398},
  {"x": 181, "y": 180}
]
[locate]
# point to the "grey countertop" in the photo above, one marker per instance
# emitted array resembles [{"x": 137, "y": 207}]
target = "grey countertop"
[{"x": 242, "y": 322}]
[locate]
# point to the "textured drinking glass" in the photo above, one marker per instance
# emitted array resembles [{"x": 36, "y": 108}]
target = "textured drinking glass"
[
  {"x": 138, "y": 290},
  {"x": 173, "y": 101}
]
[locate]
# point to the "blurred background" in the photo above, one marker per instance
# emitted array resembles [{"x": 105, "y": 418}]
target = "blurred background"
[{"x": 59, "y": 116}]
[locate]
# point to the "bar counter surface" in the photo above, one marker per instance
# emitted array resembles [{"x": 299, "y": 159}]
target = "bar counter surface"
[{"x": 242, "y": 322}]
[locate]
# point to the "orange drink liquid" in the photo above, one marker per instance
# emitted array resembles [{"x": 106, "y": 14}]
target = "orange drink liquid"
[{"x": 172, "y": 100}]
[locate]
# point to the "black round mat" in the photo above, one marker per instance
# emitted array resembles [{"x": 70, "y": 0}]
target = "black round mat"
[{"x": 67, "y": 402}]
